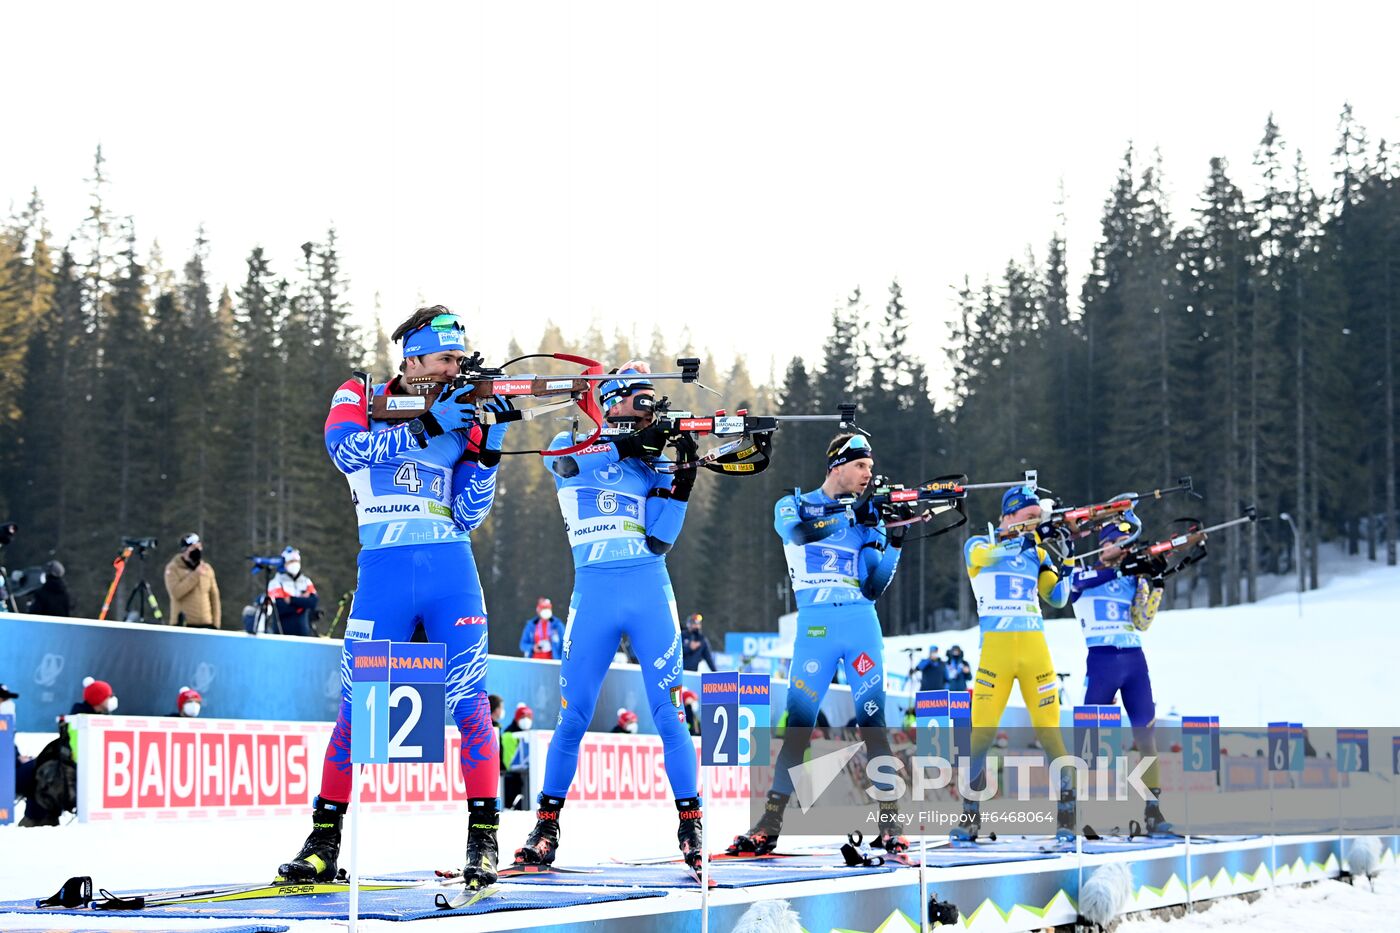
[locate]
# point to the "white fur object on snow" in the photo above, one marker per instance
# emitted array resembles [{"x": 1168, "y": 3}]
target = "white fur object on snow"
[
  {"x": 1364, "y": 855},
  {"x": 769, "y": 917},
  {"x": 1106, "y": 893}
]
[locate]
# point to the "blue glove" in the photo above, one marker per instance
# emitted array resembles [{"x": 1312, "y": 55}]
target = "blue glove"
[
  {"x": 455, "y": 411},
  {"x": 496, "y": 433}
]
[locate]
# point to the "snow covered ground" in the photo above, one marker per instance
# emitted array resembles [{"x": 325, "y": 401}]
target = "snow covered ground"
[
  {"x": 1328, "y": 905},
  {"x": 1249, "y": 665}
]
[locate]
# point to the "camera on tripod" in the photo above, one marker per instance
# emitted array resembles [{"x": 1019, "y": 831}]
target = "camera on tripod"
[
  {"x": 141, "y": 600},
  {"x": 266, "y": 563}
]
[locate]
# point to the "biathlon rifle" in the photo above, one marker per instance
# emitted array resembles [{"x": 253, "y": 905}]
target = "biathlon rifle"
[
  {"x": 1070, "y": 523},
  {"x": 746, "y": 440},
  {"x": 897, "y": 505},
  {"x": 559, "y": 392},
  {"x": 1180, "y": 550}
]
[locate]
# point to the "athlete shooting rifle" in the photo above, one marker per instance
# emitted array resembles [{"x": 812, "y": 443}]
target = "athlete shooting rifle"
[
  {"x": 897, "y": 505},
  {"x": 483, "y": 382},
  {"x": 1068, "y": 524},
  {"x": 746, "y": 440},
  {"x": 1163, "y": 558}
]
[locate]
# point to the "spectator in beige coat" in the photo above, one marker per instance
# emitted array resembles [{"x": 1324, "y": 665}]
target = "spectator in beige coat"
[{"x": 194, "y": 593}]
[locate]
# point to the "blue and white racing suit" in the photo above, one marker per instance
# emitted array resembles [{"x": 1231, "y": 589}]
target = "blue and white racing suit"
[
  {"x": 416, "y": 508},
  {"x": 836, "y": 581},
  {"x": 621, "y": 519},
  {"x": 1103, "y": 599}
]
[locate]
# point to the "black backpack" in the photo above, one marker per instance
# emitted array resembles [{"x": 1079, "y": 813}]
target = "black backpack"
[{"x": 56, "y": 775}]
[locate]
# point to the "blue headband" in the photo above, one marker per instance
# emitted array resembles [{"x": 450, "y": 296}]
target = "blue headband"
[
  {"x": 615, "y": 390},
  {"x": 444, "y": 332},
  {"x": 1119, "y": 529},
  {"x": 1017, "y": 498}
]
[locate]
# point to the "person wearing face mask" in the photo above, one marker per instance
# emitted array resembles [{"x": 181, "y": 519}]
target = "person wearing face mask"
[
  {"x": 696, "y": 646},
  {"x": 956, "y": 670},
  {"x": 193, "y": 589},
  {"x": 98, "y": 699},
  {"x": 626, "y": 721},
  {"x": 623, "y": 512},
  {"x": 188, "y": 703},
  {"x": 52, "y": 598},
  {"x": 543, "y": 636},
  {"x": 294, "y": 595}
]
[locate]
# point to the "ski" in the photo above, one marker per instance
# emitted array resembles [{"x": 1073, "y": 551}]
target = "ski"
[
  {"x": 467, "y": 898},
  {"x": 718, "y": 857},
  {"x": 246, "y": 892},
  {"x": 521, "y": 869}
]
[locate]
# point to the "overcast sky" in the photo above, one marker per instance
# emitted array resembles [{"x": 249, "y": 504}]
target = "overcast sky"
[{"x": 733, "y": 168}]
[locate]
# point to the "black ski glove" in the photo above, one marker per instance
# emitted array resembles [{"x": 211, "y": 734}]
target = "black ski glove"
[
  {"x": 687, "y": 452},
  {"x": 867, "y": 514},
  {"x": 648, "y": 442},
  {"x": 1137, "y": 564}
]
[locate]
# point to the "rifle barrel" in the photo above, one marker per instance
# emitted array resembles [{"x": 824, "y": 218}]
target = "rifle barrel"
[
  {"x": 835, "y": 417},
  {"x": 1019, "y": 482}
]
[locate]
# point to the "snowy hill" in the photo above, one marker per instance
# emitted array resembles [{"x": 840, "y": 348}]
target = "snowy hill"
[{"x": 1334, "y": 666}]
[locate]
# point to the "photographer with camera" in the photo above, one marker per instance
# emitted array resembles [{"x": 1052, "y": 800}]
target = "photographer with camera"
[
  {"x": 194, "y": 592},
  {"x": 294, "y": 595}
]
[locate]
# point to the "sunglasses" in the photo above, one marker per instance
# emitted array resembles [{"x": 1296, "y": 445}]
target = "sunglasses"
[
  {"x": 854, "y": 442},
  {"x": 443, "y": 323}
]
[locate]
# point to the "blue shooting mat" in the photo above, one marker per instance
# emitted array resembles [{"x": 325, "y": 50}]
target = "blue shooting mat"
[{"x": 400, "y": 904}]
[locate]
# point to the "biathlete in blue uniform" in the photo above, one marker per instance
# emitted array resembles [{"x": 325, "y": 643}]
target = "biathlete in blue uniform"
[
  {"x": 839, "y": 565},
  {"x": 419, "y": 489},
  {"x": 1115, "y": 602},
  {"x": 622, "y": 516}
]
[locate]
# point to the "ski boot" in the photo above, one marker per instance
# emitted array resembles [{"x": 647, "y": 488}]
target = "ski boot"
[
  {"x": 763, "y": 838},
  {"x": 890, "y": 839},
  {"x": 543, "y": 840},
  {"x": 688, "y": 833},
  {"x": 969, "y": 825},
  {"x": 1153, "y": 823},
  {"x": 1066, "y": 815},
  {"x": 479, "y": 870},
  {"x": 317, "y": 859}
]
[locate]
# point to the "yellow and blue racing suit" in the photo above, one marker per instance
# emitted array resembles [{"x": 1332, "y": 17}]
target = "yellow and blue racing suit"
[{"x": 1009, "y": 580}]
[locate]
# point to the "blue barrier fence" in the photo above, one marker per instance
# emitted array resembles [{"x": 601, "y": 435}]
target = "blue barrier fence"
[{"x": 270, "y": 676}]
